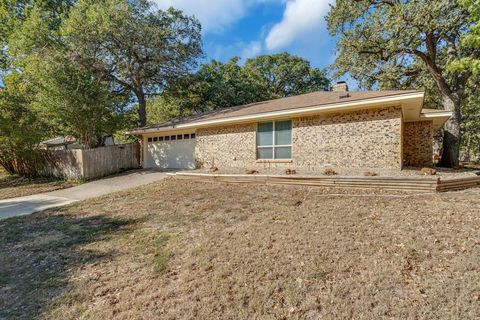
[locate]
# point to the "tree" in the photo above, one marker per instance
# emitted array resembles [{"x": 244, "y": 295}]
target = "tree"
[
  {"x": 21, "y": 129},
  {"x": 27, "y": 25},
  {"x": 222, "y": 85},
  {"x": 405, "y": 40},
  {"x": 470, "y": 40},
  {"x": 283, "y": 75},
  {"x": 215, "y": 85},
  {"x": 72, "y": 100},
  {"x": 140, "y": 49},
  {"x": 471, "y": 127},
  {"x": 471, "y": 107},
  {"x": 160, "y": 110}
]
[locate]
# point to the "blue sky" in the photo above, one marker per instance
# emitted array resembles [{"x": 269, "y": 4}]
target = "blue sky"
[{"x": 248, "y": 28}]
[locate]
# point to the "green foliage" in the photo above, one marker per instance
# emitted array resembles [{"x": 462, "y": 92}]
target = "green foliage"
[
  {"x": 66, "y": 94},
  {"x": 27, "y": 25},
  {"x": 73, "y": 100},
  {"x": 140, "y": 49},
  {"x": 160, "y": 110},
  {"x": 470, "y": 41},
  {"x": 471, "y": 124},
  {"x": 384, "y": 40},
  {"x": 407, "y": 44},
  {"x": 283, "y": 75},
  {"x": 20, "y": 127},
  {"x": 222, "y": 85}
]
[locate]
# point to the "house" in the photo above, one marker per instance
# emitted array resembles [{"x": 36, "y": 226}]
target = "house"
[
  {"x": 70, "y": 143},
  {"x": 375, "y": 129},
  {"x": 60, "y": 143}
]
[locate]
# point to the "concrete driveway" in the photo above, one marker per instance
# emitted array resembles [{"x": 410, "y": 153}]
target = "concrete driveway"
[{"x": 26, "y": 205}]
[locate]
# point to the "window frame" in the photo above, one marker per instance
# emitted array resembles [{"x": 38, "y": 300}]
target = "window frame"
[{"x": 273, "y": 146}]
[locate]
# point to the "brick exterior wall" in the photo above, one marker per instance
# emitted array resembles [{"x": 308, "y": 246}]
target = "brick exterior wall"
[
  {"x": 368, "y": 139},
  {"x": 226, "y": 146},
  {"x": 362, "y": 139},
  {"x": 418, "y": 144}
]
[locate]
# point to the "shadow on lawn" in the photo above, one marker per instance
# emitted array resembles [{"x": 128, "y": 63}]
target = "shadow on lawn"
[
  {"x": 37, "y": 253},
  {"x": 17, "y": 181}
]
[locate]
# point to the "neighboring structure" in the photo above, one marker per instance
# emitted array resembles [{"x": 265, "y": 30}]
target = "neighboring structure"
[
  {"x": 69, "y": 143},
  {"x": 60, "y": 143},
  {"x": 384, "y": 129}
]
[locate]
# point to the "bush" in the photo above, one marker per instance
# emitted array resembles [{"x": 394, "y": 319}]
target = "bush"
[{"x": 20, "y": 128}]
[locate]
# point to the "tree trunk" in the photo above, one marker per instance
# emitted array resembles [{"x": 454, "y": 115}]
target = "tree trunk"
[
  {"x": 451, "y": 134},
  {"x": 142, "y": 108},
  {"x": 468, "y": 147},
  {"x": 477, "y": 155},
  {"x": 7, "y": 165}
]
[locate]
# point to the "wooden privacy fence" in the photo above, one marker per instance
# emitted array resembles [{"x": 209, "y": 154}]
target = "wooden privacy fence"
[{"x": 91, "y": 163}]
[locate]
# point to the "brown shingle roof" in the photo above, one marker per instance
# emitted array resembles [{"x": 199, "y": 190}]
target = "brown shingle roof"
[{"x": 289, "y": 103}]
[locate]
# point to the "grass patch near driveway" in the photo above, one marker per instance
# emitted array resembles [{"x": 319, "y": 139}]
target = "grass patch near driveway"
[
  {"x": 12, "y": 186},
  {"x": 179, "y": 249}
]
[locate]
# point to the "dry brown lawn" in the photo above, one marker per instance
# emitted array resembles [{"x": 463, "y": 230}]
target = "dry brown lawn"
[
  {"x": 16, "y": 186},
  {"x": 187, "y": 250}
]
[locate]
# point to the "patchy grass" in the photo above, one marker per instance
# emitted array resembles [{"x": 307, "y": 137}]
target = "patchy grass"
[
  {"x": 12, "y": 186},
  {"x": 178, "y": 249}
]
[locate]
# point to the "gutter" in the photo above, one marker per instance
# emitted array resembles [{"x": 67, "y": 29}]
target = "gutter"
[{"x": 429, "y": 115}]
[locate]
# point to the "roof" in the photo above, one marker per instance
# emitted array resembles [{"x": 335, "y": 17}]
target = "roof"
[
  {"x": 320, "y": 100},
  {"x": 439, "y": 117},
  {"x": 59, "y": 141}
]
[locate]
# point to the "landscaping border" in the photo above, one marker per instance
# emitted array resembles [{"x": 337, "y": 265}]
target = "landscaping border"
[{"x": 417, "y": 184}]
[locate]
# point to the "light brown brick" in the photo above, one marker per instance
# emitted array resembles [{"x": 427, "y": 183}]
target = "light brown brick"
[{"x": 363, "y": 139}]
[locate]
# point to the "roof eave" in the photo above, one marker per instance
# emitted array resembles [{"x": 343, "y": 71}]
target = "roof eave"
[
  {"x": 317, "y": 109},
  {"x": 438, "y": 118}
]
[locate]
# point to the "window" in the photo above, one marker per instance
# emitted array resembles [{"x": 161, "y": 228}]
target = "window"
[
  {"x": 274, "y": 140},
  {"x": 192, "y": 136},
  {"x": 160, "y": 138},
  {"x": 149, "y": 139},
  {"x": 173, "y": 138},
  {"x": 167, "y": 138},
  {"x": 155, "y": 139},
  {"x": 179, "y": 137},
  {"x": 186, "y": 136}
]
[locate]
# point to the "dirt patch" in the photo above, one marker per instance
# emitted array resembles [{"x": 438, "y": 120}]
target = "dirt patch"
[
  {"x": 16, "y": 186},
  {"x": 179, "y": 249}
]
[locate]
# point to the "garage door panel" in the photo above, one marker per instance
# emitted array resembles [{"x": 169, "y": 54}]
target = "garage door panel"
[{"x": 177, "y": 154}]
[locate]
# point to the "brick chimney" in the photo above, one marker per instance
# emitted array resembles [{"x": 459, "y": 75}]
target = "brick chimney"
[{"x": 340, "y": 86}]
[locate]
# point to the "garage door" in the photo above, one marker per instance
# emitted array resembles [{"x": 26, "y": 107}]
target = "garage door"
[{"x": 171, "y": 152}]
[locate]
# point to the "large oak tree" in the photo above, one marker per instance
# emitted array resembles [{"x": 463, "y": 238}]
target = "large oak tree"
[
  {"x": 282, "y": 75},
  {"x": 221, "y": 85},
  {"x": 141, "y": 49},
  {"x": 397, "y": 42}
]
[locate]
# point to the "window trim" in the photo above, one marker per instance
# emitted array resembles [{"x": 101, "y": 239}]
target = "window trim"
[{"x": 273, "y": 146}]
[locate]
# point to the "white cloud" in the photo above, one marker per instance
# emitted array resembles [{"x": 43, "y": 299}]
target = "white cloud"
[
  {"x": 215, "y": 15},
  {"x": 242, "y": 49},
  {"x": 300, "y": 18},
  {"x": 251, "y": 50}
]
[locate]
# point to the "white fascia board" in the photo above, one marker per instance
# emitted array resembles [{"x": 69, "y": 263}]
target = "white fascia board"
[{"x": 436, "y": 115}]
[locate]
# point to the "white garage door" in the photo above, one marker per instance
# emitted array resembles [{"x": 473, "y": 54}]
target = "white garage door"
[{"x": 171, "y": 152}]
